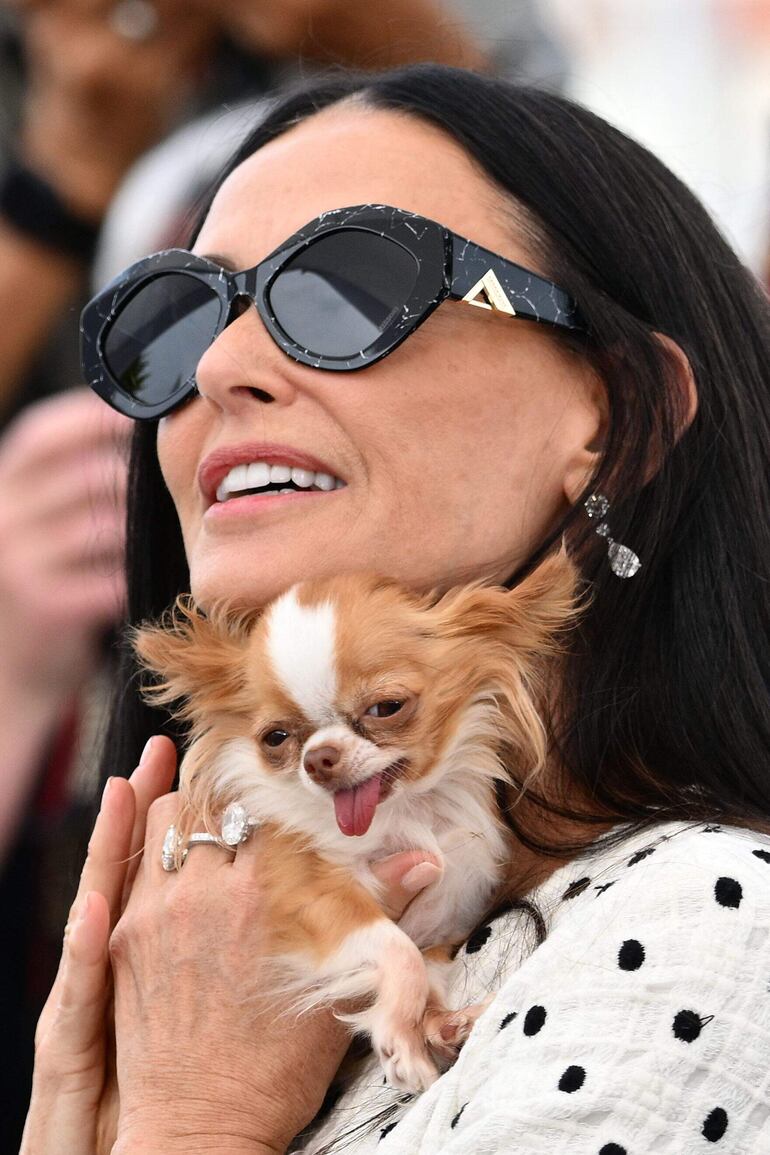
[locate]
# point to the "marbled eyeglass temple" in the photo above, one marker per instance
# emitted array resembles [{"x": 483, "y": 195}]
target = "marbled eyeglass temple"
[{"x": 339, "y": 295}]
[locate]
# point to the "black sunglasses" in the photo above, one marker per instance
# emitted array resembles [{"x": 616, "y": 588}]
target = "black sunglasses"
[{"x": 340, "y": 294}]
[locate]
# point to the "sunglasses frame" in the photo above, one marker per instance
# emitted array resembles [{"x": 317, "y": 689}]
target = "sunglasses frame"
[{"x": 449, "y": 267}]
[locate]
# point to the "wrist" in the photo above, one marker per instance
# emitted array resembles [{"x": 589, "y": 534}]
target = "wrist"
[
  {"x": 201, "y": 1144},
  {"x": 194, "y": 1126}
]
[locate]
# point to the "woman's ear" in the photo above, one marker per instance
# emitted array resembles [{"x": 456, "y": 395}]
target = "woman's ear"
[
  {"x": 585, "y": 460},
  {"x": 676, "y": 364},
  {"x": 687, "y": 390},
  {"x": 591, "y": 421}
]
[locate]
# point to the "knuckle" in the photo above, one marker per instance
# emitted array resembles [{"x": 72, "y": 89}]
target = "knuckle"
[
  {"x": 245, "y": 894},
  {"x": 46, "y": 1066},
  {"x": 40, "y": 1035},
  {"x": 162, "y": 812},
  {"x": 180, "y": 904},
  {"x": 121, "y": 939},
  {"x": 72, "y": 914}
]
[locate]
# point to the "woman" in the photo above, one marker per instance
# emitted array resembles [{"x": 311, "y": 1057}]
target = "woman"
[{"x": 468, "y": 451}]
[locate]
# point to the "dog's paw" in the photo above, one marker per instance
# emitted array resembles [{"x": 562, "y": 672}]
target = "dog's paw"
[
  {"x": 405, "y": 1064},
  {"x": 446, "y": 1031}
]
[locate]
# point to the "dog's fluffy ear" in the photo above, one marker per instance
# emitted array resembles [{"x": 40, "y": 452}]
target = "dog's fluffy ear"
[
  {"x": 529, "y": 616},
  {"x": 196, "y": 659},
  {"x": 505, "y": 640}
]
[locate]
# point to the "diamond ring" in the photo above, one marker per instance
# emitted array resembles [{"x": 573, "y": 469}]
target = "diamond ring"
[
  {"x": 171, "y": 844},
  {"x": 236, "y": 828},
  {"x": 236, "y": 825}
]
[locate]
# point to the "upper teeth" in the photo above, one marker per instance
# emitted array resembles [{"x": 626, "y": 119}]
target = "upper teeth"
[{"x": 258, "y": 474}]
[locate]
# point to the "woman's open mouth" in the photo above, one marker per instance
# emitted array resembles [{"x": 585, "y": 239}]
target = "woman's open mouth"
[
  {"x": 260, "y": 477},
  {"x": 254, "y": 484}
]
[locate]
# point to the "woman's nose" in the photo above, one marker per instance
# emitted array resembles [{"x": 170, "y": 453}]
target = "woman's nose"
[{"x": 244, "y": 364}]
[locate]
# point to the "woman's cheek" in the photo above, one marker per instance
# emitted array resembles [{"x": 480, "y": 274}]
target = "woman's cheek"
[
  {"x": 179, "y": 443},
  {"x": 168, "y": 446}
]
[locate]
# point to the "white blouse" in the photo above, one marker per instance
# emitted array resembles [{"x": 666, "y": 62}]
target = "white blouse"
[{"x": 641, "y": 1025}]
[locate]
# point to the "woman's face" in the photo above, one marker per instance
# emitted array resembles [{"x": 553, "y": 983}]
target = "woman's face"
[{"x": 458, "y": 450}]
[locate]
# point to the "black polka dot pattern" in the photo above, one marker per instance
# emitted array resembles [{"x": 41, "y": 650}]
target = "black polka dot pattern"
[
  {"x": 631, "y": 955},
  {"x": 458, "y": 1116},
  {"x": 576, "y": 888},
  {"x": 712, "y": 829},
  {"x": 477, "y": 939},
  {"x": 534, "y": 1020},
  {"x": 682, "y": 1025},
  {"x": 715, "y": 1125},
  {"x": 728, "y": 892},
  {"x": 687, "y": 1025},
  {"x": 572, "y": 1079},
  {"x": 640, "y": 856}
]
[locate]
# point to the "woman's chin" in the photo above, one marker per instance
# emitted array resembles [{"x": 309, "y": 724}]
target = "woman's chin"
[{"x": 247, "y": 578}]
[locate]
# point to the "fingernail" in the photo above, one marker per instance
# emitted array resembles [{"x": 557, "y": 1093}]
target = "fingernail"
[
  {"x": 420, "y": 876},
  {"x": 107, "y": 785},
  {"x": 146, "y": 751}
]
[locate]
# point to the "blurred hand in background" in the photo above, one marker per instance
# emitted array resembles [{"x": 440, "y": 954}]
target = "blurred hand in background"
[{"x": 62, "y": 511}]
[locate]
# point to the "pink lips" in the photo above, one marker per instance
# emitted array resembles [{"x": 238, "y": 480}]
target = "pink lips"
[{"x": 217, "y": 465}]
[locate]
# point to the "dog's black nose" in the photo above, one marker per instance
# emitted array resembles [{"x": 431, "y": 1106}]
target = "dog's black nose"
[{"x": 320, "y": 763}]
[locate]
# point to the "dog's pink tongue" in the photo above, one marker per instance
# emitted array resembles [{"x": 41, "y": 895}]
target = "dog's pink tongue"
[{"x": 354, "y": 809}]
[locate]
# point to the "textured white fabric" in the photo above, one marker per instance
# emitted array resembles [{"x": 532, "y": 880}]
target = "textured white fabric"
[{"x": 641, "y": 1025}]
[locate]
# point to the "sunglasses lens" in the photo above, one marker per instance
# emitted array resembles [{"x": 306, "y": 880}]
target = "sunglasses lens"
[
  {"x": 157, "y": 339},
  {"x": 337, "y": 296}
]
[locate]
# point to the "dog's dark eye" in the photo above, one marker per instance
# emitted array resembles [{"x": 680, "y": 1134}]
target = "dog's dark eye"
[
  {"x": 275, "y": 737},
  {"x": 385, "y": 709}
]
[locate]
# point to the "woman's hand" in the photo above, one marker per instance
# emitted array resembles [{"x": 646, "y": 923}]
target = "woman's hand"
[
  {"x": 74, "y": 1105},
  {"x": 174, "y": 1093},
  {"x": 203, "y": 1060}
]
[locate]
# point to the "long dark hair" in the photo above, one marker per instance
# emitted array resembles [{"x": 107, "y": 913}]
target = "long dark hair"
[{"x": 665, "y": 712}]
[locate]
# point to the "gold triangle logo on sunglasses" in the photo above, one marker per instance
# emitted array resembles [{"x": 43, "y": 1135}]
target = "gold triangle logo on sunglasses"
[{"x": 488, "y": 293}]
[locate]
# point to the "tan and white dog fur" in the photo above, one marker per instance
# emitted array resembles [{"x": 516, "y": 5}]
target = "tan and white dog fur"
[{"x": 355, "y": 720}]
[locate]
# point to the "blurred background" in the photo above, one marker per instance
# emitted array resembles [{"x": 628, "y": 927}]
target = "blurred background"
[{"x": 115, "y": 115}]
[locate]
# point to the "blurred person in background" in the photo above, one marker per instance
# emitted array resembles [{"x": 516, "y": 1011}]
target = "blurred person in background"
[{"x": 86, "y": 91}]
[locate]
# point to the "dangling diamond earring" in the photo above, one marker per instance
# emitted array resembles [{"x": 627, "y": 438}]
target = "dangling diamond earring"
[{"x": 623, "y": 561}]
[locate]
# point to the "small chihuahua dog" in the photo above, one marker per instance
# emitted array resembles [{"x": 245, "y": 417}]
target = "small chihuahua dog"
[{"x": 353, "y": 720}]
